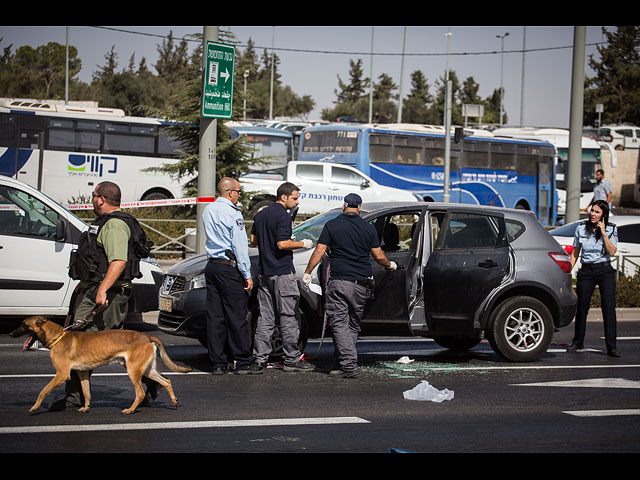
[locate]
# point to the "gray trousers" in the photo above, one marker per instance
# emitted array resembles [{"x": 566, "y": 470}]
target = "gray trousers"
[
  {"x": 344, "y": 306},
  {"x": 278, "y": 298}
]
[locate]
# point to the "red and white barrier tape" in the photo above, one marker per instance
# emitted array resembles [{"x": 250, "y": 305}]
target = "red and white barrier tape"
[{"x": 150, "y": 203}]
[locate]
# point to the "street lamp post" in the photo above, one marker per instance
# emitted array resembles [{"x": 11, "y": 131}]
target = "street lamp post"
[
  {"x": 501, "y": 37},
  {"x": 245, "y": 75}
]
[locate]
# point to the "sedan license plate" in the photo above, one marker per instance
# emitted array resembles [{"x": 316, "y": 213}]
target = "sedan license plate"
[{"x": 165, "y": 304}]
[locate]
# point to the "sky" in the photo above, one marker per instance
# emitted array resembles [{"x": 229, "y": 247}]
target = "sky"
[{"x": 313, "y": 57}]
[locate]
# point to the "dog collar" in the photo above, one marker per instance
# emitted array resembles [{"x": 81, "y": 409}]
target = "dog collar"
[{"x": 53, "y": 343}]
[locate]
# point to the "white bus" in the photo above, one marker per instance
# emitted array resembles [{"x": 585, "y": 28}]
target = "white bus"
[
  {"x": 64, "y": 151},
  {"x": 559, "y": 138}
]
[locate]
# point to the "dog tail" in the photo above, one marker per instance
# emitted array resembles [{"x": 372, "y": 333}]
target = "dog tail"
[{"x": 165, "y": 357}]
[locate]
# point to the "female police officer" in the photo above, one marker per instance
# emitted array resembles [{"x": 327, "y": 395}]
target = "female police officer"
[{"x": 596, "y": 240}]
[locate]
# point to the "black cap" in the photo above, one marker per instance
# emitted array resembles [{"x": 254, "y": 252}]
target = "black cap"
[{"x": 352, "y": 200}]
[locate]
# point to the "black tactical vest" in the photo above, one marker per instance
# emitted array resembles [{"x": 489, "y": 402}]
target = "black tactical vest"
[{"x": 89, "y": 261}]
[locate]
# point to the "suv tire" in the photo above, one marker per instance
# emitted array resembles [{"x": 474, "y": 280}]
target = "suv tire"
[{"x": 521, "y": 329}]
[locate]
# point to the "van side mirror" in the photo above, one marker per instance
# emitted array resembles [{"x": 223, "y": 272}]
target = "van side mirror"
[{"x": 61, "y": 229}]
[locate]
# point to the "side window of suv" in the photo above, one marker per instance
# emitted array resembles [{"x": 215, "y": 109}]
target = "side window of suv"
[
  {"x": 470, "y": 231},
  {"x": 629, "y": 233},
  {"x": 21, "y": 214}
]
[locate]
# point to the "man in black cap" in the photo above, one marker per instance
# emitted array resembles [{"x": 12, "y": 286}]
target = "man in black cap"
[{"x": 351, "y": 241}]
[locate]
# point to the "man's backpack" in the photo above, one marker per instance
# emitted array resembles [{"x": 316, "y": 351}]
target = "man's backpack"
[{"x": 89, "y": 262}]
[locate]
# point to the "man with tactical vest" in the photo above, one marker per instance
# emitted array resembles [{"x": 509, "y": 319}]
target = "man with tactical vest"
[{"x": 106, "y": 262}]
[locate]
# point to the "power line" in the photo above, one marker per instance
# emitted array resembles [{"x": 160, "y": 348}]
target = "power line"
[{"x": 333, "y": 52}]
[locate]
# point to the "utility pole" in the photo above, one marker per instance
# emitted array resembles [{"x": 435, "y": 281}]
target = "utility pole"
[
  {"x": 575, "y": 126},
  {"x": 206, "y": 152},
  {"x": 371, "y": 80},
  {"x": 404, "y": 44},
  {"x": 446, "y": 196},
  {"x": 501, "y": 37},
  {"x": 524, "y": 53}
]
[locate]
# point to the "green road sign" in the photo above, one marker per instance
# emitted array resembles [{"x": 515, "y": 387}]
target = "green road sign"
[{"x": 217, "y": 91}]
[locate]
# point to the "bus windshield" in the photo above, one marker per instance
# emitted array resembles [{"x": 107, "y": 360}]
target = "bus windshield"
[
  {"x": 590, "y": 163},
  {"x": 274, "y": 151},
  {"x": 330, "y": 141}
]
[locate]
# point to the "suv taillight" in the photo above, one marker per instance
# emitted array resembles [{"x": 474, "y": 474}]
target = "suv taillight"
[{"x": 562, "y": 260}]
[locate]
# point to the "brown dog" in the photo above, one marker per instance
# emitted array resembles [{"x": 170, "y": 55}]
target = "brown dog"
[{"x": 84, "y": 351}]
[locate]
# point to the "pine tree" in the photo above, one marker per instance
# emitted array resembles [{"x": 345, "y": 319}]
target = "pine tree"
[{"x": 616, "y": 80}]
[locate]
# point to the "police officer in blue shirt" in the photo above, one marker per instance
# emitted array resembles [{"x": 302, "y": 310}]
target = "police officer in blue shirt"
[
  {"x": 229, "y": 282},
  {"x": 595, "y": 241},
  {"x": 351, "y": 242}
]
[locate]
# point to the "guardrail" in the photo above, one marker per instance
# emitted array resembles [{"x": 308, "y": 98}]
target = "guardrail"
[{"x": 621, "y": 261}]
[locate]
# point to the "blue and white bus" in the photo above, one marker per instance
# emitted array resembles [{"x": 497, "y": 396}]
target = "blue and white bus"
[
  {"x": 559, "y": 138},
  {"x": 273, "y": 146},
  {"x": 484, "y": 170},
  {"x": 64, "y": 151}
]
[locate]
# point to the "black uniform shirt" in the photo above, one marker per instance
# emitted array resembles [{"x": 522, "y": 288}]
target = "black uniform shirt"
[
  {"x": 350, "y": 240},
  {"x": 272, "y": 225}
]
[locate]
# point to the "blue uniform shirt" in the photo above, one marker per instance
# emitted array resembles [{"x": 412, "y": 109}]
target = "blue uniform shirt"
[
  {"x": 592, "y": 250},
  {"x": 224, "y": 229}
]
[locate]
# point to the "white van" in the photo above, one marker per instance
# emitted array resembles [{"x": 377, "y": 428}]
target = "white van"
[
  {"x": 621, "y": 137},
  {"x": 36, "y": 238}
]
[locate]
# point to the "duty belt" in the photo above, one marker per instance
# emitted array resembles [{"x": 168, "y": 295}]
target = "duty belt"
[{"x": 223, "y": 261}]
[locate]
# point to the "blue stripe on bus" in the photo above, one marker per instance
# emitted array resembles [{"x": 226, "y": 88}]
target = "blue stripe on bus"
[{"x": 8, "y": 161}]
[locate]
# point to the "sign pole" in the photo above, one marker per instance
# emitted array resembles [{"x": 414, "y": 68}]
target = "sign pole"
[
  {"x": 206, "y": 152},
  {"x": 218, "y": 61}
]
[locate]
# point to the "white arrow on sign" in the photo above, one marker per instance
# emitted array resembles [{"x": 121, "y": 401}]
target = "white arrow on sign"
[{"x": 225, "y": 75}]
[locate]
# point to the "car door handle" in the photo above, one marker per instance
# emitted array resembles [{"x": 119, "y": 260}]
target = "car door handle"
[{"x": 488, "y": 263}]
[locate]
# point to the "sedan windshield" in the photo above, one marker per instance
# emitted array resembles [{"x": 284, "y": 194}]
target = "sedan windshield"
[{"x": 312, "y": 228}]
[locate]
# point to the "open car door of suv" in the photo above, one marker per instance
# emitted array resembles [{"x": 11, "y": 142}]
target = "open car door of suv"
[
  {"x": 398, "y": 294},
  {"x": 471, "y": 258}
]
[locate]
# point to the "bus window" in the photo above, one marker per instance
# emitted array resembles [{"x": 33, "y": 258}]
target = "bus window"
[
  {"x": 476, "y": 155},
  {"x": 380, "y": 148},
  {"x": 408, "y": 150},
  {"x": 119, "y": 138},
  {"x": 168, "y": 145}
]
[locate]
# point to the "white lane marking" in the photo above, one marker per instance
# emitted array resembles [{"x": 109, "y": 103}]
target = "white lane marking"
[
  {"x": 268, "y": 422},
  {"x": 587, "y": 383},
  {"x": 602, "y": 413},
  {"x": 431, "y": 368}
]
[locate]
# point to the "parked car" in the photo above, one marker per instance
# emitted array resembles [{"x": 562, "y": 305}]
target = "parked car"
[
  {"x": 621, "y": 137},
  {"x": 627, "y": 258},
  {"x": 468, "y": 272},
  {"x": 37, "y": 235}
]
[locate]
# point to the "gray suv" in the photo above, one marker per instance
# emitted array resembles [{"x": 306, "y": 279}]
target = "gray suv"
[{"x": 467, "y": 273}]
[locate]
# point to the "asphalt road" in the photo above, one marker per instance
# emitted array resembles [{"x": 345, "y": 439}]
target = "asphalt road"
[{"x": 585, "y": 402}]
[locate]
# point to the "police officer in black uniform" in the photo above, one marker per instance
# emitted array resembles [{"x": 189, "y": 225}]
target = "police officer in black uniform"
[
  {"x": 278, "y": 294},
  {"x": 351, "y": 241}
]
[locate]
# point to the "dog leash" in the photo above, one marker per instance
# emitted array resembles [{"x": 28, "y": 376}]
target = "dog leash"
[{"x": 85, "y": 320}]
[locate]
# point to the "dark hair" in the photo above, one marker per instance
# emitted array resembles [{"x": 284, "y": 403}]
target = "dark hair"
[
  {"x": 600, "y": 171},
  {"x": 110, "y": 191},
  {"x": 287, "y": 188},
  {"x": 591, "y": 227}
]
